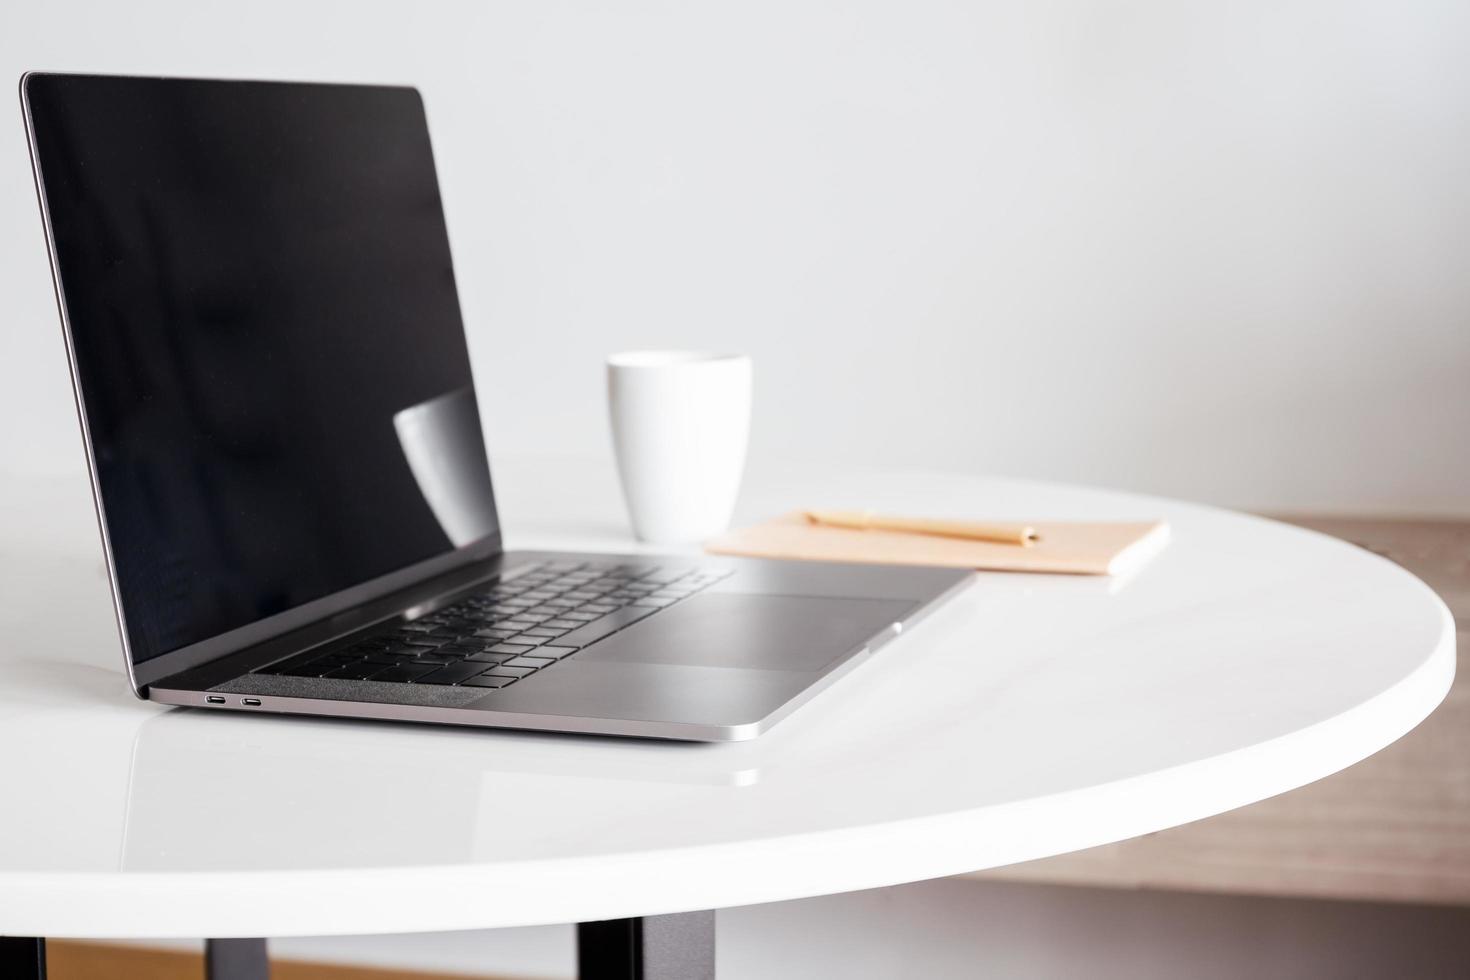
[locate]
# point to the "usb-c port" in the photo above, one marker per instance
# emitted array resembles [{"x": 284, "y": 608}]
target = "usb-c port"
[
  {"x": 215, "y": 699},
  {"x": 250, "y": 702}
]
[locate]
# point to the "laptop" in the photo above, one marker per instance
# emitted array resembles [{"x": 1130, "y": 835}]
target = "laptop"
[{"x": 274, "y": 389}]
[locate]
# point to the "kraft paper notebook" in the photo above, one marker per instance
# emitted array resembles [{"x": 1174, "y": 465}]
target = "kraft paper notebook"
[{"x": 1071, "y": 547}]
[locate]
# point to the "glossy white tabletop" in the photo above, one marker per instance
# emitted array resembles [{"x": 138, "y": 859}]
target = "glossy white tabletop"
[{"x": 1032, "y": 715}]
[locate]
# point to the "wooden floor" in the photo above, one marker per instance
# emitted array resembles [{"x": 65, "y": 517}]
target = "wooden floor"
[
  {"x": 102, "y": 961},
  {"x": 1395, "y": 827}
]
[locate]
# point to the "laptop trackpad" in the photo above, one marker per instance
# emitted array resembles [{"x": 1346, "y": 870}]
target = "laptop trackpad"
[{"x": 769, "y": 632}]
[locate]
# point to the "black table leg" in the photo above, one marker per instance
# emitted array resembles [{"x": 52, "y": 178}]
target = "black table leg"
[
  {"x": 24, "y": 959},
  {"x": 236, "y": 959},
  {"x": 657, "y": 947}
]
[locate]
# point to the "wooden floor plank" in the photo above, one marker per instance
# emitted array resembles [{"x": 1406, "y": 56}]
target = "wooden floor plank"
[{"x": 70, "y": 960}]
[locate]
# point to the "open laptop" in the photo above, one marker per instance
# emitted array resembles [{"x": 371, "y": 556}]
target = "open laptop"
[{"x": 284, "y": 442}]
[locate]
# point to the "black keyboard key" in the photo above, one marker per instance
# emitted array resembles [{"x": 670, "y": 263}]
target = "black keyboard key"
[
  {"x": 506, "y": 670},
  {"x": 485, "y": 657},
  {"x": 603, "y": 626},
  {"x": 355, "y": 672},
  {"x": 553, "y": 653},
  {"x": 305, "y": 670},
  {"x": 453, "y": 674},
  {"x": 495, "y": 634},
  {"x": 545, "y": 631},
  {"x": 562, "y": 624},
  {"x": 334, "y": 660},
  {"x": 512, "y": 648},
  {"x": 387, "y": 659},
  {"x": 489, "y": 680},
  {"x": 532, "y": 662},
  {"x": 435, "y": 657},
  {"x": 405, "y": 673},
  {"x": 579, "y": 616}
]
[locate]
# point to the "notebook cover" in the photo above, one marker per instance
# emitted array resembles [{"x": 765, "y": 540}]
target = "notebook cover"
[{"x": 1070, "y": 547}]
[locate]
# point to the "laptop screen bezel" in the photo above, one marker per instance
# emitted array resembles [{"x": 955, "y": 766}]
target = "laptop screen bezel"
[{"x": 234, "y": 641}]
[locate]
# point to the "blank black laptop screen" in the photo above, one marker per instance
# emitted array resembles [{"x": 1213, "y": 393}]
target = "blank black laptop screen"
[{"x": 267, "y": 341}]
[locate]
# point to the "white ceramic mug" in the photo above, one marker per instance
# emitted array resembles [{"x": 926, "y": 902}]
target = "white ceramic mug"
[{"x": 680, "y": 423}]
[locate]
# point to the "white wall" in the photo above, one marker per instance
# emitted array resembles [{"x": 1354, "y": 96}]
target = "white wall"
[{"x": 1217, "y": 250}]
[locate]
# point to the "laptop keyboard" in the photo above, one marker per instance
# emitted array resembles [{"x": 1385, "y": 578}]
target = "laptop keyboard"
[{"x": 509, "y": 631}]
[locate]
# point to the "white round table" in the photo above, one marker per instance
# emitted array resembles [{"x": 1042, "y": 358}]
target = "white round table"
[{"x": 1031, "y": 716}]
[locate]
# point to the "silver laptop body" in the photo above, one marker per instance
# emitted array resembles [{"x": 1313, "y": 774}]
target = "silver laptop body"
[{"x": 284, "y": 442}]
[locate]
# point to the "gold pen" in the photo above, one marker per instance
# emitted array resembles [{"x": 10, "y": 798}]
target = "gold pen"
[{"x": 865, "y": 520}]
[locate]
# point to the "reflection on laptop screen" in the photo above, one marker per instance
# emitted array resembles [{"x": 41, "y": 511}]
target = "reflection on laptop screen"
[{"x": 267, "y": 341}]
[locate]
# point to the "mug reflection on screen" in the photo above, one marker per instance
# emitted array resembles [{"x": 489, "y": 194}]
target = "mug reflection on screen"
[{"x": 442, "y": 442}]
